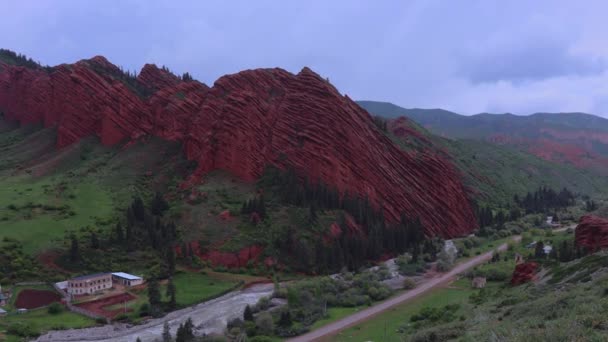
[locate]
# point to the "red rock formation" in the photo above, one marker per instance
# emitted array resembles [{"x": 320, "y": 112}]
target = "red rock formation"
[
  {"x": 524, "y": 273},
  {"x": 592, "y": 233},
  {"x": 155, "y": 79},
  {"x": 242, "y": 124}
]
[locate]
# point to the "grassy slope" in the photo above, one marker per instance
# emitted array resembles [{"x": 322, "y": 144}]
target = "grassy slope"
[
  {"x": 494, "y": 172},
  {"x": 570, "y": 304},
  {"x": 383, "y": 327},
  {"x": 46, "y": 192}
]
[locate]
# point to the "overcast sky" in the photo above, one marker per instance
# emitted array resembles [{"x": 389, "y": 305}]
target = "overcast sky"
[{"x": 465, "y": 56}]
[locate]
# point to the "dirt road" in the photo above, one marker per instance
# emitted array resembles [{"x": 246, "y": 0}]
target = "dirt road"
[{"x": 351, "y": 320}]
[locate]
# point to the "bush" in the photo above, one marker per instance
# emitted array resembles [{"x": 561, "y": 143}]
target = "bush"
[
  {"x": 144, "y": 310},
  {"x": 121, "y": 317},
  {"x": 22, "y": 330},
  {"x": 409, "y": 284},
  {"x": 55, "y": 308},
  {"x": 264, "y": 324}
]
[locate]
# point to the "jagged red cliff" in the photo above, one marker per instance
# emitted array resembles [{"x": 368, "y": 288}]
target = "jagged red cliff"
[
  {"x": 242, "y": 124},
  {"x": 592, "y": 233}
]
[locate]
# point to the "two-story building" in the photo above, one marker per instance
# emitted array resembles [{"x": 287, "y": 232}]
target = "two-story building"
[{"x": 89, "y": 284}]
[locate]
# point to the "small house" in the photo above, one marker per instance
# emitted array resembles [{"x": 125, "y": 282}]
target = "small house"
[
  {"x": 479, "y": 282},
  {"x": 2, "y": 312},
  {"x": 126, "y": 279},
  {"x": 21, "y": 311}
]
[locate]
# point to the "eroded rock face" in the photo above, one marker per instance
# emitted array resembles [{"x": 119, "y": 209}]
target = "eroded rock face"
[
  {"x": 592, "y": 233},
  {"x": 524, "y": 273},
  {"x": 244, "y": 123}
]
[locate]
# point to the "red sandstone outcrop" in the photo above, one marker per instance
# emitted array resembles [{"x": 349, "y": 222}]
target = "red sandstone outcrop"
[
  {"x": 155, "y": 79},
  {"x": 592, "y": 233},
  {"x": 524, "y": 273},
  {"x": 242, "y": 124}
]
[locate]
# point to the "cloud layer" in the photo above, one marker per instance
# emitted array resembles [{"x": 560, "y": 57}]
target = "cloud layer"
[{"x": 466, "y": 56}]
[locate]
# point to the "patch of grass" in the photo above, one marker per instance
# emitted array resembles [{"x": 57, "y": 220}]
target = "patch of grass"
[
  {"x": 384, "y": 326},
  {"x": 42, "y": 321},
  {"x": 334, "y": 314},
  {"x": 193, "y": 288},
  {"x": 30, "y": 218}
]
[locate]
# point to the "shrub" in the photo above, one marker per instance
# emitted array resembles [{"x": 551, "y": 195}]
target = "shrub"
[
  {"x": 121, "y": 317},
  {"x": 144, "y": 310},
  {"x": 55, "y": 308},
  {"x": 264, "y": 323},
  {"x": 22, "y": 330},
  {"x": 409, "y": 284}
]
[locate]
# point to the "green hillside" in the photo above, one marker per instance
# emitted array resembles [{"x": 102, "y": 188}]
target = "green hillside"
[
  {"x": 484, "y": 125},
  {"x": 494, "y": 172}
]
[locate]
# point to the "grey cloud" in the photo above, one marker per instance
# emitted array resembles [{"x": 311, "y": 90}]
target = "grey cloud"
[{"x": 534, "y": 59}]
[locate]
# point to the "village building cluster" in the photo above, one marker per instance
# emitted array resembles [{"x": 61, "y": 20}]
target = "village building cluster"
[{"x": 98, "y": 282}]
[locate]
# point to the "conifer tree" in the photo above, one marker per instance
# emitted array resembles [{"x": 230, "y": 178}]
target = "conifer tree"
[{"x": 74, "y": 249}]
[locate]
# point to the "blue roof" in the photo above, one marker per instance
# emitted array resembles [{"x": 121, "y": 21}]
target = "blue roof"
[
  {"x": 126, "y": 276},
  {"x": 89, "y": 276}
]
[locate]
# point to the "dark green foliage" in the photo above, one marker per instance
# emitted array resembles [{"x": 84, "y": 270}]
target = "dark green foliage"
[
  {"x": 255, "y": 205},
  {"x": 17, "y": 266},
  {"x": 308, "y": 300},
  {"x": 55, "y": 308},
  {"x": 446, "y": 314},
  {"x": 185, "y": 332},
  {"x": 248, "y": 314},
  {"x": 158, "y": 205},
  {"x": 544, "y": 200},
  {"x": 14, "y": 58},
  {"x": 285, "y": 319},
  {"x": 22, "y": 330},
  {"x": 186, "y": 77},
  {"x": 119, "y": 233},
  {"x": 166, "y": 336},
  {"x": 349, "y": 248},
  {"x": 380, "y": 123},
  {"x": 94, "y": 241},
  {"x": 74, "y": 249},
  {"x": 171, "y": 293},
  {"x": 154, "y": 297}
]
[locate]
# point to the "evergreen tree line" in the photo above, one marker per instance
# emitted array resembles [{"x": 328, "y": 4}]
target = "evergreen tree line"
[
  {"x": 544, "y": 200},
  {"x": 255, "y": 205},
  {"x": 486, "y": 217},
  {"x": 20, "y": 59},
  {"x": 353, "y": 249}
]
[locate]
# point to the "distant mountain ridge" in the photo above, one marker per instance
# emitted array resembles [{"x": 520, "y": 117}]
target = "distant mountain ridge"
[{"x": 574, "y": 138}]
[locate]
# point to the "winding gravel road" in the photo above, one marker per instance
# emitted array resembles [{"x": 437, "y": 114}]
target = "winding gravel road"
[
  {"x": 334, "y": 328},
  {"x": 208, "y": 317}
]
